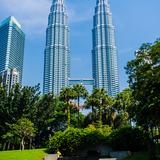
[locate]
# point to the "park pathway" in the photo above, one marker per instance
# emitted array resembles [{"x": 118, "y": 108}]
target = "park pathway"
[
  {"x": 51, "y": 157},
  {"x": 55, "y": 157}
]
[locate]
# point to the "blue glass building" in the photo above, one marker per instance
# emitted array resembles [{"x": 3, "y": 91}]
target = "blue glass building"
[
  {"x": 104, "y": 53},
  {"x": 57, "y": 52},
  {"x": 11, "y": 46}
]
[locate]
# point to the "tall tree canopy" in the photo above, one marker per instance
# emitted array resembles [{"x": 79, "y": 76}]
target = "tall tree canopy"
[
  {"x": 144, "y": 80},
  {"x": 100, "y": 102}
]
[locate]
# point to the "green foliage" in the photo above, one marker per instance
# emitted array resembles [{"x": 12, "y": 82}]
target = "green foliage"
[
  {"x": 49, "y": 116},
  {"x": 66, "y": 95},
  {"x": 80, "y": 92},
  {"x": 20, "y": 102},
  {"x": 96, "y": 136},
  {"x": 72, "y": 140},
  {"x": 132, "y": 139},
  {"x": 125, "y": 103},
  {"x": 144, "y": 73},
  {"x": 100, "y": 103},
  {"x": 67, "y": 142},
  {"x": 24, "y": 129},
  {"x": 47, "y": 112}
]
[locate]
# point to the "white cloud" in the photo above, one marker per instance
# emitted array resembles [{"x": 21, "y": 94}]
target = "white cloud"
[{"x": 33, "y": 14}]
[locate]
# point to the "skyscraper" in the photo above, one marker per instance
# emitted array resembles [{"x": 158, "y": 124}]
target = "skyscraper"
[
  {"x": 57, "y": 52},
  {"x": 9, "y": 78},
  {"x": 104, "y": 53},
  {"x": 11, "y": 46}
]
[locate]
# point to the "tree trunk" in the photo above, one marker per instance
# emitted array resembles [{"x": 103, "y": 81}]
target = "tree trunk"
[
  {"x": 4, "y": 146},
  {"x": 22, "y": 144},
  {"x": 152, "y": 147},
  {"x": 69, "y": 115},
  {"x": 152, "y": 132},
  {"x": 78, "y": 112},
  {"x": 13, "y": 147},
  {"x": 92, "y": 116},
  {"x": 100, "y": 117},
  {"x": 8, "y": 147},
  {"x": 30, "y": 143}
]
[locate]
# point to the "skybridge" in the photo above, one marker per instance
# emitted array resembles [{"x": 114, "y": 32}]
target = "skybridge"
[{"x": 83, "y": 81}]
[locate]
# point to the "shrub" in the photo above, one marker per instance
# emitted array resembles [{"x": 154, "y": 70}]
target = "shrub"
[
  {"x": 71, "y": 141},
  {"x": 132, "y": 139},
  {"x": 94, "y": 136},
  {"x": 67, "y": 142}
]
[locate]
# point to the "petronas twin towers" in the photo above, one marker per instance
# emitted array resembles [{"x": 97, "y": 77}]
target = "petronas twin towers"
[{"x": 57, "y": 50}]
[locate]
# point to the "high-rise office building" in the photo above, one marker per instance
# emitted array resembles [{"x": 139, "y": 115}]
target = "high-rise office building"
[
  {"x": 57, "y": 52},
  {"x": 9, "y": 78},
  {"x": 104, "y": 53},
  {"x": 11, "y": 46}
]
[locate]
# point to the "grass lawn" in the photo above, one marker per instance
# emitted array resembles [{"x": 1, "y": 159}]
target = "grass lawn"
[
  {"x": 139, "y": 156},
  {"x": 23, "y": 155}
]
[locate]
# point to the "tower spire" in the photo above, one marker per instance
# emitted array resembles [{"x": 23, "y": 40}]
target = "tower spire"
[
  {"x": 58, "y": 1},
  {"x": 100, "y": 1}
]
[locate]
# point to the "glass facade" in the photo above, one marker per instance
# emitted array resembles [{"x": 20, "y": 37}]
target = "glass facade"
[
  {"x": 11, "y": 46},
  {"x": 104, "y": 53},
  {"x": 57, "y": 52},
  {"x": 9, "y": 78}
]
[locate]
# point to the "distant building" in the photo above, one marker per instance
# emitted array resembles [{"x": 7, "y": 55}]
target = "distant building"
[
  {"x": 11, "y": 46},
  {"x": 9, "y": 78},
  {"x": 104, "y": 53},
  {"x": 57, "y": 52}
]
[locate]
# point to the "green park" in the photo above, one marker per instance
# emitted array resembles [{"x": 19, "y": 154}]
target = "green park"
[
  {"x": 78, "y": 124},
  {"x": 82, "y": 84}
]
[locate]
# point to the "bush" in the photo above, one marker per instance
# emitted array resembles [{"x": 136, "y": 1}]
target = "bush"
[
  {"x": 94, "y": 136},
  {"x": 132, "y": 139},
  {"x": 67, "y": 142},
  {"x": 71, "y": 141}
]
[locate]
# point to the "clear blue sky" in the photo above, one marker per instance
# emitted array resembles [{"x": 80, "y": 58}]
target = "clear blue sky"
[{"x": 136, "y": 22}]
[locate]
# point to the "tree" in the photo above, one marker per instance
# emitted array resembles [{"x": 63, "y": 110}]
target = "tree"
[
  {"x": 66, "y": 95},
  {"x": 20, "y": 102},
  {"x": 50, "y": 117},
  {"x": 80, "y": 92},
  {"x": 100, "y": 101},
  {"x": 3, "y": 111},
  {"x": 24, "y": 129},
  {"x": 143, "y": 73},
  {"x": 124, "y": 104},
  {"x": 8, "y": 139}
]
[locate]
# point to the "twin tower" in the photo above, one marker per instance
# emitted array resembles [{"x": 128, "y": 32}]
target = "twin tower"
[{"x": 57, "y": 51}]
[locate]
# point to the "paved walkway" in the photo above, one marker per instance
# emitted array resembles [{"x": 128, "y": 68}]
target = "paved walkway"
[
  {"x": 55, "y": 157},
  {"x": 51, "y": 157}
]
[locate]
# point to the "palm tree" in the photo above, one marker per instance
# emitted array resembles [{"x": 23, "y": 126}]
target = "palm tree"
[
  {"x": 80, "y": 92},
  {"x": 66, "y": 95},
  {"x": 99, "y": 100},
  {"x": 90, "y": 104}
]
